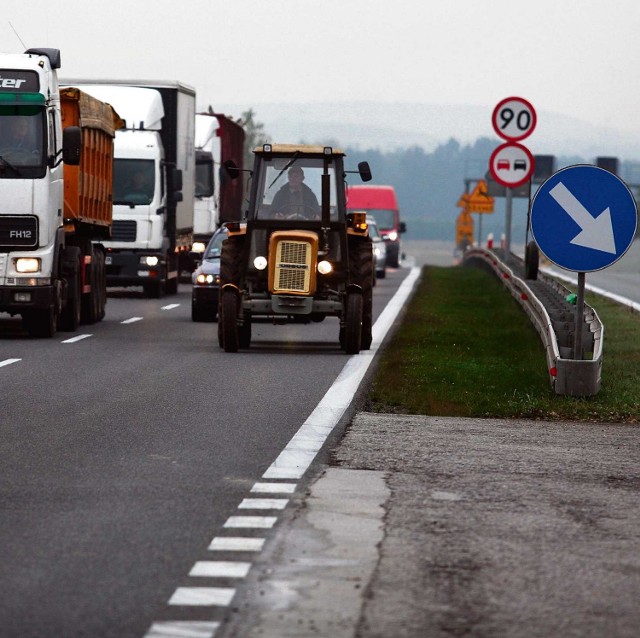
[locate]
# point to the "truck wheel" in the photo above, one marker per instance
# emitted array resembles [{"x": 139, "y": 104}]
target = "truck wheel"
[
  {"x": 353, "y": 323},
  {"x": 89, "y": 308},
  {"x": 41, "y": 323},
  {"x": 101, "y": 284},
  {"x": 244, "y": 331},
  {"x": 153, "y": 289},
  {"x": 69, "y": 319},
  {"x": 229, "y": 320}
]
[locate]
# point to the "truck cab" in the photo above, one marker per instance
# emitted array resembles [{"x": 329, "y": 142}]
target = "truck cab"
[{"x": 381, "y": 203}]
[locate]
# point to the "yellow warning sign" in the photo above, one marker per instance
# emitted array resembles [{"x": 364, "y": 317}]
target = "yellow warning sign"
[{"x": 477, "y": 201}]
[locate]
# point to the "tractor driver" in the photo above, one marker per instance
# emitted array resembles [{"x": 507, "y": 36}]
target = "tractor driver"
[{"x": 295, "y": 199}]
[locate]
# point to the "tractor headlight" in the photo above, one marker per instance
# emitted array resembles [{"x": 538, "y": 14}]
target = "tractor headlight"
[
  {"x": 324, "y": 267},
  {"x": 27, "y": 264},
  {"x": 198, "y": 247},
  {"x": 260, "y": 262}
]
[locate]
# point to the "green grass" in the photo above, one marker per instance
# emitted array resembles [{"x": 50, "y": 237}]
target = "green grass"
[{"x": 466, "y": 348}]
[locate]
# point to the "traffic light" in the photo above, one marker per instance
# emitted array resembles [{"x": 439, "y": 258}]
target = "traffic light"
[{"x": 610, "y": 164}]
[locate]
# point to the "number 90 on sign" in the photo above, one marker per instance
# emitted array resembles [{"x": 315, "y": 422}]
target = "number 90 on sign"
[{"x": 513, "y": 119}]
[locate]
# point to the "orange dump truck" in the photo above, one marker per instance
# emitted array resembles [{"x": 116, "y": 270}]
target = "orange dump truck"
[{"x": 55, "y": 196}]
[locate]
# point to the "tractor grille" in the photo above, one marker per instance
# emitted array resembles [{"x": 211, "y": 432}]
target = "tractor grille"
[
  {"x": 293, "y": 267},
  {"x": 123, "y": 230}
]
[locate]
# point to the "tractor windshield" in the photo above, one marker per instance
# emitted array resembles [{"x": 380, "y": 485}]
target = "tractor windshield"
[{"x": 296, "y": 191}]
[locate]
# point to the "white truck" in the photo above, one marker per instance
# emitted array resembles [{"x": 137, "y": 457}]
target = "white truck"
[
  {"x": 154, "y": 182},
  {"x": 218, "y": 198},
  {"x": 56, "y": 162}
]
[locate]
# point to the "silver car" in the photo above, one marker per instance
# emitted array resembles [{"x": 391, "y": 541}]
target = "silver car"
[
  {"x": 379, "y": 249},
  {"x": 206, "y": 280}
]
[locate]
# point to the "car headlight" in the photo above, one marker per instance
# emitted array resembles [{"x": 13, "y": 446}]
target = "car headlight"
[
  {"x": 27, "y": 264},
  {"x": 260, "y": 262},
  {"x": 149, "y": 260},
  {"x": 207, "y": 280},
  {"x": 324, "y": 267}
]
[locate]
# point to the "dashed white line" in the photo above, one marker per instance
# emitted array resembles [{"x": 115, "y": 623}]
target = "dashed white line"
[
  {"x": 274, "y": 488},
  {"x": 171, "y": 306},
  {"x": 202, "y": 596},
  {"x": 182, "y": 629},
  {"x": 75, "y": 339},
  {"x": 263, "y": 522},
  {"x": 263, "y": 503},
  {"x": 8, "y": 362},
  {"x": 132, "y": 320},
  {"x": 236, "y": 544},
  {"x": 220, "y": 568}
]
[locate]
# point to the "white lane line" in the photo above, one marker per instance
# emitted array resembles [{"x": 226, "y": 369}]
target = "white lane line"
[
  {"x": 171, "y": 306},
  {"x": 263, "y": 503},
  {"x": 262, "y": 522},
  {"x": 202, "y": 596},
  {"x": 299, "y": 453},
  {"x": 220, "y": 568},
  {"x": 132, "y": 320},
  {"x": 274, "y": 488},
  {"x": 8, "y": 362},
  {"x": 78, "y": 338},
  {"x": 182, "y": 629},
  {"x": 236, "y": 544}
]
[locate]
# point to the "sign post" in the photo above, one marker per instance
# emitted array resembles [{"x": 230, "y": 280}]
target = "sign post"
[
  {"x": 583, "y": 219},
  {"x": 512, "y": 164}
]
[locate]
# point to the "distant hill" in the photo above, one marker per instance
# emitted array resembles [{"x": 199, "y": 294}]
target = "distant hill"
[{"x": 391, "y": 126}]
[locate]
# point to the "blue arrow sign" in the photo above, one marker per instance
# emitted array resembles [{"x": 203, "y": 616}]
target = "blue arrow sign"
[{"x": 584, "y": 218}]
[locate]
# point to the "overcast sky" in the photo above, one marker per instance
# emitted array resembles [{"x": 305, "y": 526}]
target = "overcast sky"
[{"x": 575, "y": 57}]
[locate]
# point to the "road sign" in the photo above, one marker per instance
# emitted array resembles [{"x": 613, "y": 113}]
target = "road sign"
[
  {"x": 478, "y": 201},
  {"x": 584, "y": 218},
  {"x": 511, "y": 164},
  {"x": 514, "y": 118}
]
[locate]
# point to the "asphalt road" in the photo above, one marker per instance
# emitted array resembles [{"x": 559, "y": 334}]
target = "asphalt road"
[{"x": 124, "y": 452}]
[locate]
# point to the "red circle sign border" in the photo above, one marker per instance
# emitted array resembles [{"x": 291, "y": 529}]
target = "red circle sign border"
[
  {"x": 528, "y": 105},
  {"x": 527, "y": 152}
]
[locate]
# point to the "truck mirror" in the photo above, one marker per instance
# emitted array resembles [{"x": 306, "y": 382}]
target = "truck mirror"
[
  {"x": 176, "y": 196},
  {"x": 403, "y": 227},
  {"x": 71, "y": 145},
  {"x": 365, "y": 171},
  {"x": 232, "y": 170}
]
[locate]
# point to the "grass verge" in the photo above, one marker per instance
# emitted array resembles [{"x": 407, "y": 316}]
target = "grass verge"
[{"x": 466, "y": 348}]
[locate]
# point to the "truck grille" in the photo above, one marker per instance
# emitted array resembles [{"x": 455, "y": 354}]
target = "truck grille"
[
  {"x": 293, "y": 267},
  {"x": 123, "y": 230},
  {"x": 18, "y": 231}
]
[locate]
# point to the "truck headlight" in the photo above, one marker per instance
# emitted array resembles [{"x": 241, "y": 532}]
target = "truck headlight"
[
  {"x": 27, "y": 264},
  {"x": 392, "y": 236},
  {"x": 149, "y": 260},
  {"x": 260, "y": 262}
]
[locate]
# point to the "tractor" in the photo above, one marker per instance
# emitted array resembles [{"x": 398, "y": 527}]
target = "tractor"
[{"x": 297, "y": 256}]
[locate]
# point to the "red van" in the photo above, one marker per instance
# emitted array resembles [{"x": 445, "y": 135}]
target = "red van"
[{"x": 380, "y": 202}]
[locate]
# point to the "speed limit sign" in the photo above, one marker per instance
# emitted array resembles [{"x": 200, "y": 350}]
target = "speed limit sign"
[{"x": 513, "y": 119}]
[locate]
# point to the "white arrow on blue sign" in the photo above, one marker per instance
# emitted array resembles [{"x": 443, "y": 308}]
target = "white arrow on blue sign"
[{"x": 584, "y": 218}]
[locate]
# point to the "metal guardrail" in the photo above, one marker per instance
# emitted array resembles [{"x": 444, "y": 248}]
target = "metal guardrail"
[{"x": 544, "y": 301}]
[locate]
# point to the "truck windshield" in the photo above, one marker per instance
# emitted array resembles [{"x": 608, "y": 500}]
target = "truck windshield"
[
  {"x": 22, "y": 141},
  {"x": 133, "y": 181},
  {"x": 294, "y": 193},
  {"x": 204, "y": 179}
]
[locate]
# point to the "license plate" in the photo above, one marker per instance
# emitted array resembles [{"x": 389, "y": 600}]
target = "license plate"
[{"x": 107, "y": 260}]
